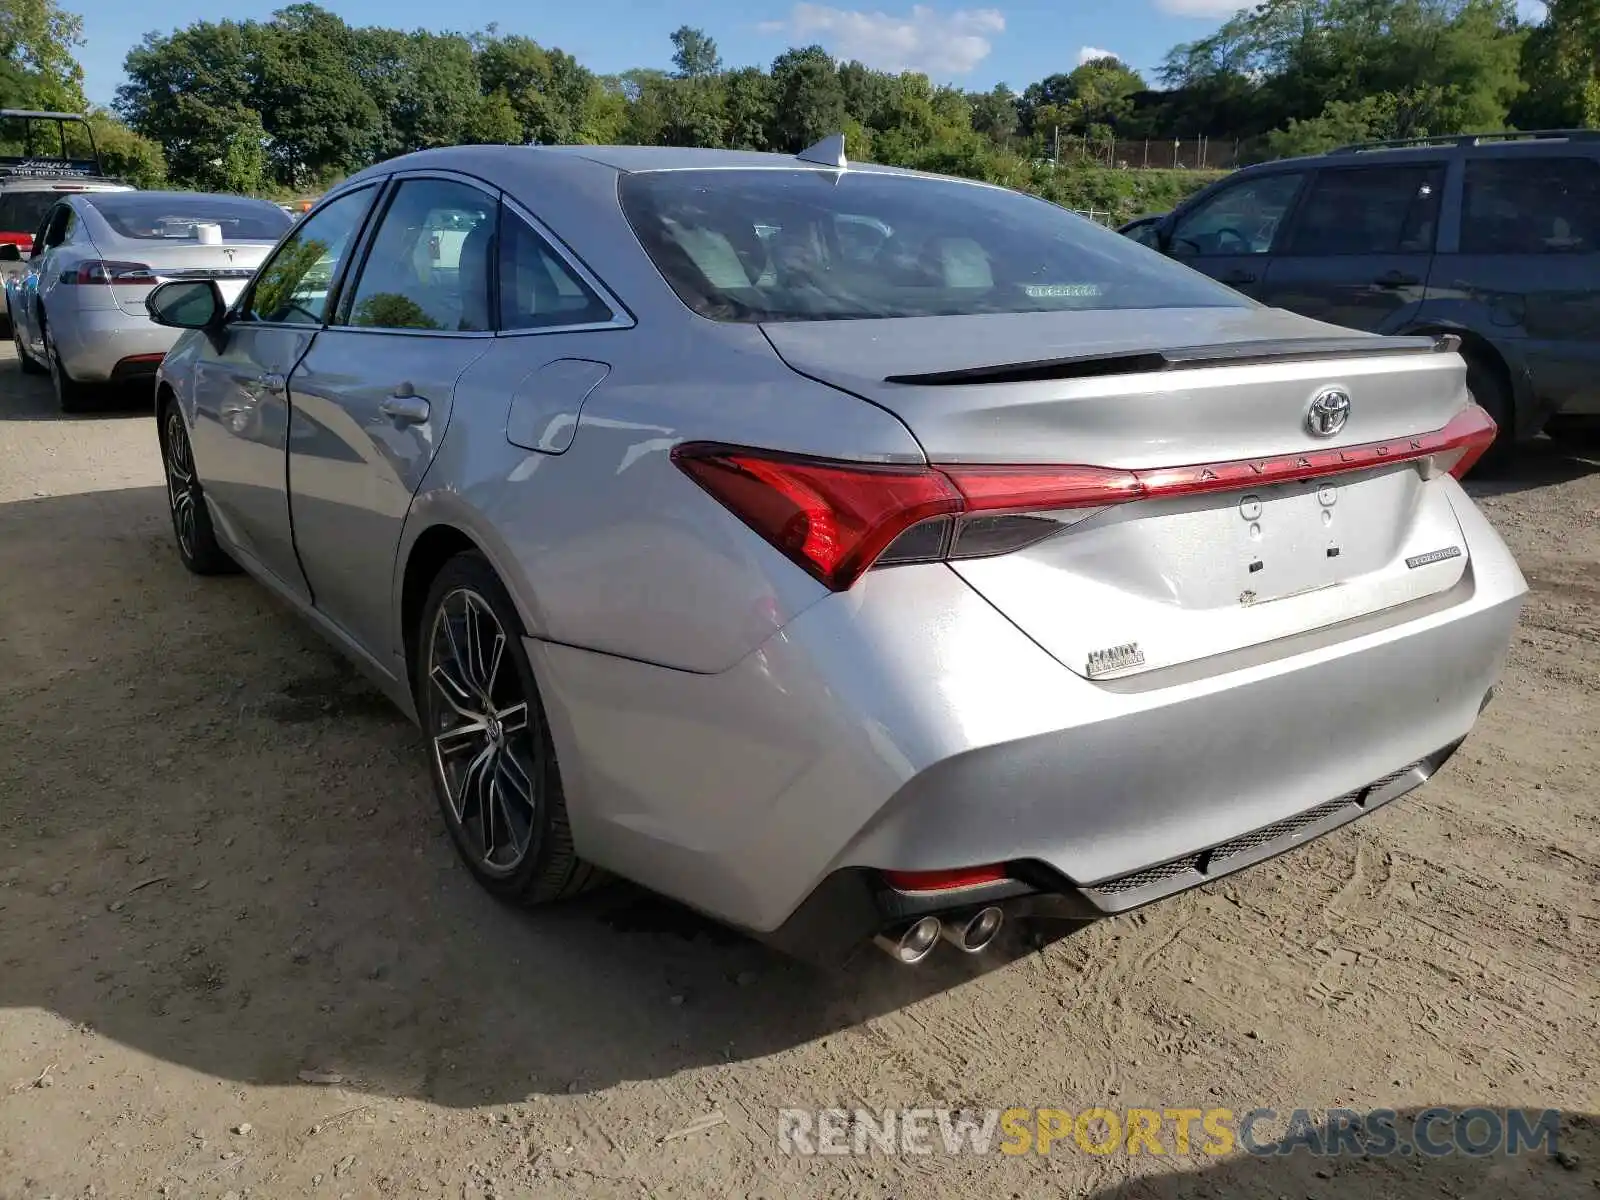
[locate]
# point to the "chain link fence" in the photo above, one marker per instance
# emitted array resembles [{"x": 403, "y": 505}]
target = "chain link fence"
[{"x": 1197, "y": 153}]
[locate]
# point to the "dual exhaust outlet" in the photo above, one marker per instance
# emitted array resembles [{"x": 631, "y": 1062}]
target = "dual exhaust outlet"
[{"x": 968, "y": 932}]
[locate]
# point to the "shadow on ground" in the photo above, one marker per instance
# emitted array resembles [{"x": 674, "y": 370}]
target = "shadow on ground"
[
  {"x": 219, "y": 846},
  {"x": 1540, "y": 463},
  {"x": 30, "y": 397},
  {"x": 1283, "y": 1172}
]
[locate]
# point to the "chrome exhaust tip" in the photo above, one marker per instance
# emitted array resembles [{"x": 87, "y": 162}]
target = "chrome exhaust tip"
[
  {"x": 976, "y": 931},
  {"x": 912, "y": 943}
]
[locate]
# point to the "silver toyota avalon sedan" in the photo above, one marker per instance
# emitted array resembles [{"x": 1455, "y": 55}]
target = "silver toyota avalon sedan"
[
  {"x": 849, "y": 553},
  {"x": 78, "y": 310}
]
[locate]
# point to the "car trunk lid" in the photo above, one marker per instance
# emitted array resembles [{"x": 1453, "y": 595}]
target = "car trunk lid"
[
  {"x": 1269, "y": 530},
  {"x": 230, "y": 264}
]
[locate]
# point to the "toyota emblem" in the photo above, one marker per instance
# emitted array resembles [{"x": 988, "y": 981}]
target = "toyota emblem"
[{"x": 1330, "y": 409}]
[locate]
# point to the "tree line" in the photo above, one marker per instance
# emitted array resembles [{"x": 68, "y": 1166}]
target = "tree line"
[{"x": 297, "y": 101}]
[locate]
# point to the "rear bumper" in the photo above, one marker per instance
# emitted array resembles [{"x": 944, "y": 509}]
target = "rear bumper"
[
  {"x": 908, "y": 725},
  {"x": 95, "y": 343}
]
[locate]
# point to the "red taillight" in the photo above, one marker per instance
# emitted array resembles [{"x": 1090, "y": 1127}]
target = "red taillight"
[
  {"x": 832, "y": 519},
  {"x": 944, "y": 881},
  {"x": 117, "y": 274},
  {"x": 836, "y": 519}
]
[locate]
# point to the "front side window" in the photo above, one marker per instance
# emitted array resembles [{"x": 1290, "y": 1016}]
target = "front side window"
[
  {"x": 807, "y": 245},
  {"x": 1242, "y": 219},
  {"x": 293, "y": 287},
  {"x": 1531, "y": 206},
  {"x": 1371, "y": 210},
  {"x": 429, "y": 263},
  {"x": 537, "y": 289}
]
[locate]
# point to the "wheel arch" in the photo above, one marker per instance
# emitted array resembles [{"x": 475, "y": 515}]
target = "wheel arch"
[{"x": 432, "y": 548}]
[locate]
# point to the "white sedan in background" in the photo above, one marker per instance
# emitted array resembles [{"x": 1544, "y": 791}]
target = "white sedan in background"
[{"x": 78, "y": 312}]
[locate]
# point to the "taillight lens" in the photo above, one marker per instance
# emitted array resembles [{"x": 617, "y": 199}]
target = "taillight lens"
[
  {"x": 117, "y": 274},
  {"x": 836, "y": 519},
  {"x": 832, "y": 519}
]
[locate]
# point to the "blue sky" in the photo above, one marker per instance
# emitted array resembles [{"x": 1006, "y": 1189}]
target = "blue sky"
[{"x": 976, "y": 45}]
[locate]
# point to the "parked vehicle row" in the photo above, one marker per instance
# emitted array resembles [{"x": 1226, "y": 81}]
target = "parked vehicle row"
[
  {"x": 1494, "y": 238},
  {"x": 78, "y": 311},
  {"x": 845, "y": 552}
]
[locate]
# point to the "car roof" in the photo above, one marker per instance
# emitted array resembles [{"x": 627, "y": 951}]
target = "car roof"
[
  {"x": 1533, "y": 142},
  {"x": 491, "y": 160}
]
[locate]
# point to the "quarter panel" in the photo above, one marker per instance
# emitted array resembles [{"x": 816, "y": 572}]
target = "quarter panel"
[{"x": 608, "y": 545}]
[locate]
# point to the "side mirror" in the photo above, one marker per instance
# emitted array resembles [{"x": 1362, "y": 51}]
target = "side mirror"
[
  {"x": 10, "y": 252},
  {"x": 186, "y": 304}
]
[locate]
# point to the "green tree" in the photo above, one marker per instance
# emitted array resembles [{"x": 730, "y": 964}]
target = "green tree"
[
  {"x": 548, "y": 88},
  {"x": 126, "y": 155},
  {"x": 38, "y": 68},
  {"x": 694, "y": 53},
  {"x": 746, "y": 108},
  {"x": 320, "y": 118},
  {"x": 809, "y": 103},
  {"x": 995, "y": 114},
  {"x": 426, "y": 89},
  {"x": 189, "y": 92}
]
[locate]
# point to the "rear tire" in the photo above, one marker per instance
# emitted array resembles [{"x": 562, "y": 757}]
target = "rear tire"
[
  {"x": 1490, "y": 392},
  {"x": 71, "y": 396},
  {"x": 490, "y": 751},
  {"x": 29, "y": 365}
]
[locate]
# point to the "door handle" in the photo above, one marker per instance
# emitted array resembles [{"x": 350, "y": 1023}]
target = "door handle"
[
  {"x": 1394, "y": 279},
  {"x": 1238, "y": 276},
  {"x": 404, "y": 409}
]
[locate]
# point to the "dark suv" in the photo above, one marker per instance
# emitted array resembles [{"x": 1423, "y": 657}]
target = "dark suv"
[{"x": 1495, "y": 237}]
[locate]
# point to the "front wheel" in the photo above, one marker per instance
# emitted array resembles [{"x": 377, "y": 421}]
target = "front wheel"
[
  {"x": 191, "y": 520},
  {"x": 493, "y": 761}
]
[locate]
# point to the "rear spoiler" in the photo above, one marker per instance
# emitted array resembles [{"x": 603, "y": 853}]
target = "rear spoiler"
[{"x": 1230, "y": 354}]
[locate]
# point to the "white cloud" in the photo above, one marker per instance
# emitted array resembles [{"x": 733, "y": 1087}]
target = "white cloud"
[
  {"x": 1200, "y": 8},
  {"x": 940, "y": 44},
  {"x": 1532, "y": 10},
  {"x": 1090, "y": 53}
]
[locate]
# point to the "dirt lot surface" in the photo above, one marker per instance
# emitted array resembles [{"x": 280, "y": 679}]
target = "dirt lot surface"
[{"x": 237, "y": 957}]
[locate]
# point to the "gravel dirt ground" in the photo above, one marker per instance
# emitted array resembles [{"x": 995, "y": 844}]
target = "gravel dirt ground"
[{"x": 237, "y": 957}]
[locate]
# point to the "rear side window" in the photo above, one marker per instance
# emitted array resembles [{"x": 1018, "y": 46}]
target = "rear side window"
[
  {"x": 1531, "y": 206},
  {"x": 805, "y": 245},
  {"x": 537, "y": 289},
  {"x": 1371, "y": 210}
]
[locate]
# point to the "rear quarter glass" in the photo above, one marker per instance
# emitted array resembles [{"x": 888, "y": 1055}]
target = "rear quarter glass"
[{"x": 808, "y": 245}]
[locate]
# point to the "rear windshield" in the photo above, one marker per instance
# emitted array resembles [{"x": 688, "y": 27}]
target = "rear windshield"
[
  {"x": 21, "y": 212},
  {"x": 802, "y": 245},
  {"x": 155, "y": 216}
]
